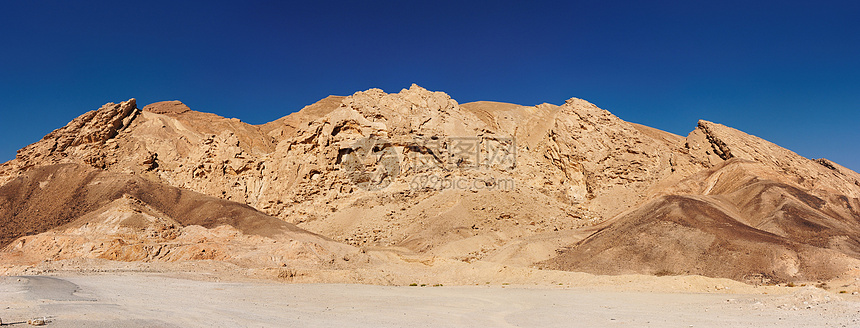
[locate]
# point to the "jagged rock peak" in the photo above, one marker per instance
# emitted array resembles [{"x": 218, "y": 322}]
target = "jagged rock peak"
[
  {"x": 91, "y": 127},
  {"x": 578, "y": 101},
  {"x": 714, "y": 143}
]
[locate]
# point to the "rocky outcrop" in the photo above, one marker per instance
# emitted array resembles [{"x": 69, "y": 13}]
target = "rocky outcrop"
[
  {"x": 84, "y": 138},
  {"x": 726, "y": 143},
  {"x": 415, "y": 172}
]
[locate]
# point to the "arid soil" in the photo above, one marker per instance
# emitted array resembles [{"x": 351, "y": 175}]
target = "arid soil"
[
  {"x": 131, "y": 300},
  {"x": 396, "y": 188}
]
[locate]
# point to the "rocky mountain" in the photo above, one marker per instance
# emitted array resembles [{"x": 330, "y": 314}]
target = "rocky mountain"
[{"x": 416, "y": 176}]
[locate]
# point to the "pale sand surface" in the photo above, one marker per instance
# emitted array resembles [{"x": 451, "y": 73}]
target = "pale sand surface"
[{"x": 148, "y": 300}]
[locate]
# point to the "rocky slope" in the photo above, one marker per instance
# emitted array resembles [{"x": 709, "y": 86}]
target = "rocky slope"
[
  {"x": 416, "y": 174},
  {"x": 65, "y": 211},
  {"x": 759, "y": 213}
]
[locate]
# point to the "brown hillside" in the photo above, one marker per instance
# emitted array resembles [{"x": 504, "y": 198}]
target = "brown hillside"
[
  {"x": 51, "y": 196},
  {"x": 415, "y": 174}
]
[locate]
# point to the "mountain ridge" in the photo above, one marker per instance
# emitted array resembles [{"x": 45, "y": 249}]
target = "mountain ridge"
[{"x": 555, "y": 186}]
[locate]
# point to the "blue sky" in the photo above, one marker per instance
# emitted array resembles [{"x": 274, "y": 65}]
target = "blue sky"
[{"x": 787, "y": 71}]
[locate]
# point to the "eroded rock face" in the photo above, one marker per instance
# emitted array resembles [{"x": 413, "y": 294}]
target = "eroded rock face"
[
  {"x": 84, "y": 137},
  {"x": 575, "y": 153},
  {"x": 820, "y": 175},
  {"x": 418, "y": 172}
]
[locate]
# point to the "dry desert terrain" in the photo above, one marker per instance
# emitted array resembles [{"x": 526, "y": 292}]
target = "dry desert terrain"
[
  {"x": 499, "y": 214},
  {"x": 158, "y": 300}
]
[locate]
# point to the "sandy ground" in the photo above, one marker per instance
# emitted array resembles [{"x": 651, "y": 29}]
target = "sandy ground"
[{"x": 159, "y": 300}]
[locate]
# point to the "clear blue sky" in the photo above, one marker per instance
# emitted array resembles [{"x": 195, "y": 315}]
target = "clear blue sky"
[{"x": 787, "y": 71}]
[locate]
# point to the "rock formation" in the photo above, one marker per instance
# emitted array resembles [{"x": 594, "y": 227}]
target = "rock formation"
[{"x": 569, "y": 187}]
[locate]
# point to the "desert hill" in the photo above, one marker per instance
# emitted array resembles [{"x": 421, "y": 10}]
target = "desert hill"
[
  {"x": 419, "y": 176},
  {"x": 757, "y": 221},
  {"x": 65, "y": 211}
]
